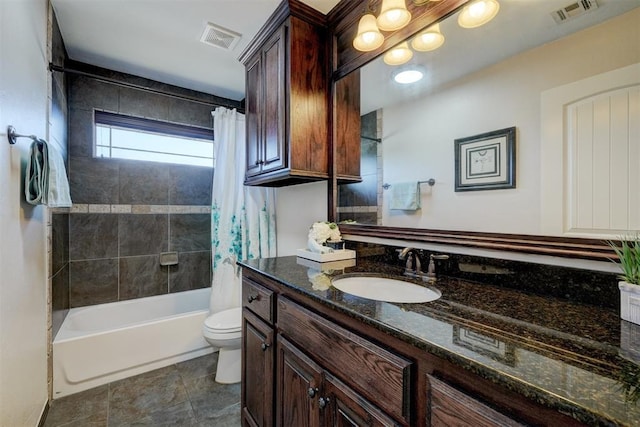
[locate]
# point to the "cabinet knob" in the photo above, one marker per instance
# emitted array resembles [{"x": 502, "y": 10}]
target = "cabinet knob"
[
  {"x": 323, "y": 402},
  {"x": 264, "y": 346},
  {"x": 251, "y": 298},
  {"x": 312, "y": 392}
]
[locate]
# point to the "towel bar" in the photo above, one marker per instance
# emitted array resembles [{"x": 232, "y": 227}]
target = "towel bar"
[
  {"x": 12, "y": 135},
  {"x": 430, "y": 181}
]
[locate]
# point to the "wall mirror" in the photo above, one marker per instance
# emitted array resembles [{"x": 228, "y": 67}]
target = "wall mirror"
[{"x": 564, "y": 74}]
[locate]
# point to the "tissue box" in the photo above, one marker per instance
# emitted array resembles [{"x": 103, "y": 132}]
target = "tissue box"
[{"x": 331, "y": 256}]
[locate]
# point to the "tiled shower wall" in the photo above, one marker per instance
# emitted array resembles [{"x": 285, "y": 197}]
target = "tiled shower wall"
[
  {"x": 127, "y": 212},
  {"x": 361, "y": 201},
  {"x": 59, "y": 223}
]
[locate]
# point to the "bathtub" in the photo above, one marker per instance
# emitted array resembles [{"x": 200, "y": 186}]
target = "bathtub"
[{"x": 102, "y": 343}]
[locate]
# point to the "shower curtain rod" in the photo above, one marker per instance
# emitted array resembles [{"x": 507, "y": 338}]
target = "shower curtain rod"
[{"x": 59, "y": 69}]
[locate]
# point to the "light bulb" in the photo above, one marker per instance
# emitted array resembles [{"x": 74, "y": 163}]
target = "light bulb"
[
  {"x": 398, "y": 55},
  {"x": 478, "y": 13},
  {"x": 429, "y": 39},
  {"x": 369, "y": 37},
  {"x": 393, "y": 15}
]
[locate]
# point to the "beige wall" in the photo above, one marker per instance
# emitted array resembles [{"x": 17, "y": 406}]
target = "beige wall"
[
  {"x": 297, "y": 207},
  {"x": 23, "y": 281},
  {"x": 418, "y": 136}
]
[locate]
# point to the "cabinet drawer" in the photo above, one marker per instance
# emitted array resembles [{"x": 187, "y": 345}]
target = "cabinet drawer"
[
  {"x": 380, "y": 376},
  {"x": 452, "y": 407},
  {"x": 258, "y": 299}
]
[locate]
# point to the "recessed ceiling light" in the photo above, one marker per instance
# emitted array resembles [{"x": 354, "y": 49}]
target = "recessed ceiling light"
[{"x": 408, "y": 76}]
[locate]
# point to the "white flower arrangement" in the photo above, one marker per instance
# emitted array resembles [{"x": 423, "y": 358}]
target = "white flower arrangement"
[{"x": 319, "y": 233}]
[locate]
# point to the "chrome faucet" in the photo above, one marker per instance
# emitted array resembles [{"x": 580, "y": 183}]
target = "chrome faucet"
[
  {"x": 431, "y": 270},
  {"x": 411, "y": 254}
]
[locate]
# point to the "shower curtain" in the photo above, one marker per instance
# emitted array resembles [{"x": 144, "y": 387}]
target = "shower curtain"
[{"x": 242, "y": 218}]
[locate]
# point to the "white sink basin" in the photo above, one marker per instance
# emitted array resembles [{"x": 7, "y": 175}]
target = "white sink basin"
[{"x": 385, "y": 289}]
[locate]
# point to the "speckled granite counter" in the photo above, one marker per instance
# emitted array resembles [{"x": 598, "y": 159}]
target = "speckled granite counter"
[{"x": 565, "y": 355}]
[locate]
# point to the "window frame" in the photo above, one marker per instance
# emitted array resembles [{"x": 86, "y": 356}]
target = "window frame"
[{"x": 141, "y": 124}]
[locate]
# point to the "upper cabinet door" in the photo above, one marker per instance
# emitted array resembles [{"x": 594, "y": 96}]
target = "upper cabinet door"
[
  {"x": 252, "y": 111},
  {"x": 274, "y": 117}
]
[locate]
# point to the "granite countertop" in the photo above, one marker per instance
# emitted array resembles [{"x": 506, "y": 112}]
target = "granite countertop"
[{"x": 565, "y": 355}]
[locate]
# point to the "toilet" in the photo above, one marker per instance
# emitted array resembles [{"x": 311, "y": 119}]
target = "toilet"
[{"x": 223, "y": 330}]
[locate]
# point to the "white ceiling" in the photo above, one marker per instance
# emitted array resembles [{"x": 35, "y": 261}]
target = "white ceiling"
[{"x": 160, "y": 39}]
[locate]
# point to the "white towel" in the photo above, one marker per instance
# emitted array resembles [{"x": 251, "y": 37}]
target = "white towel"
[
  {"x": 46, "y": 177},
  {"x": 405, "y": 196}
]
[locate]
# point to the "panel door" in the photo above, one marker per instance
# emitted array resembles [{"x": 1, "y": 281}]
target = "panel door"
[
  {"x": 346, "y": 408},
  {"x": 253, "y": 113},
  {"x": 257, "y": 371},
  {"x": 274, "y": 115},
  {"x": 299, "y": 388}
]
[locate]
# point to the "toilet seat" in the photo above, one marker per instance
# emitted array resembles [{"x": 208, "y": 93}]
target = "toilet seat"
[{"x": 224, "y": 322}]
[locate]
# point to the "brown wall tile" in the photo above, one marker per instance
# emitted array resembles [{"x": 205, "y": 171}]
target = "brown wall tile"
[
  {"x": 142, "y": 276},
  {"x": 143, "y": 234},
  {"x": 93, "y": 282}
]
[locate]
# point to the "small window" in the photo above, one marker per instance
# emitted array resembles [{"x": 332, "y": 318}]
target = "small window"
[{"x": 125, "y": 137}]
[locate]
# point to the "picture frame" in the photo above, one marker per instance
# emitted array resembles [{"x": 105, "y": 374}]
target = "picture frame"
[{"x": 486, "y": 161}]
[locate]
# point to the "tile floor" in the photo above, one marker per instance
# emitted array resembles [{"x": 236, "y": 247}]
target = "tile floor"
[{"x": 184, "y": 394}]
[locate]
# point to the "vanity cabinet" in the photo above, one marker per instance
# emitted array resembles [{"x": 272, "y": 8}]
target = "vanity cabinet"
[
  {"x": 305, "y": 364},
  {"x": 450, "y": 407},
  {"x": 287, "y": 103}
]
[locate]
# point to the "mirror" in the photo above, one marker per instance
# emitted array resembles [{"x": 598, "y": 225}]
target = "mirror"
[{"x": 514, "y": 71}]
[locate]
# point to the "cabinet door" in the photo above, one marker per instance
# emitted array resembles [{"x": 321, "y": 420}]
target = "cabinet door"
[
  {"x": 346, "y": 408},
  {"x": 450, "y": 407},
  {"x": 252, "y": 111},
  {"x": 257, "y": 371},
  {"x": 274, "y": 116},
  {"x": 299, "y": 388}
]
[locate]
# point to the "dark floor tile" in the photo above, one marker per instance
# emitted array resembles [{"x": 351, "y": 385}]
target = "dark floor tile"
[
  {"x": 137, "y": 397},
  {"x": 78, "y": 409},
  {"x": 142, "y": 276},
  {"x": 199, "y": 367},
  {"x": 228, "y": 417},
  {"x": 208, "y": 398},
  {"x": 178, "y": 415}
]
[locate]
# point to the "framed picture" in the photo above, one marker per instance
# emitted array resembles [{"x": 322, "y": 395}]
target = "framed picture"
[{"x": 486, "y": 161}]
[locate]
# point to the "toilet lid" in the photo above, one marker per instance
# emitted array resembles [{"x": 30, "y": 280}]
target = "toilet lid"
[{"x": 227, "y": 320}]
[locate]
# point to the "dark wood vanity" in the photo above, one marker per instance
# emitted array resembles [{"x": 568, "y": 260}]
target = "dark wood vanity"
[{"x": 320, "y": 357}]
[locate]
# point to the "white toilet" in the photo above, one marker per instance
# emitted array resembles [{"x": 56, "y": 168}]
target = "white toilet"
[{"x": 223, "y": 330}]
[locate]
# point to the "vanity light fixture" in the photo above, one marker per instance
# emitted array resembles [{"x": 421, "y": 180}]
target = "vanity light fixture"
[
  {"x": 408, "y": 76},
  {"x": 398, "y": 55},
  {"x": 478, "y": 13},
  {"x": 429, "y": 39},
  {"x": 393, "y": 15},
  {"x": 369, "y": 37}
]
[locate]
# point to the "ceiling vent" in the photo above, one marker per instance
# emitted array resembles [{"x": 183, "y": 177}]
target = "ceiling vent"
[
  {"x": 217, "y": 36},
  {"x": 573, "y": 10}
]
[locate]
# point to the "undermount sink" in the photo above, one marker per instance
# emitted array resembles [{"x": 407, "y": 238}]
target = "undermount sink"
[{"x": 385, "y": 289}]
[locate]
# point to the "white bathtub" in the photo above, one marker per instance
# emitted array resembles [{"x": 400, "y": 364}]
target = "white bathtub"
[{"x": 99, "y": 344}]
